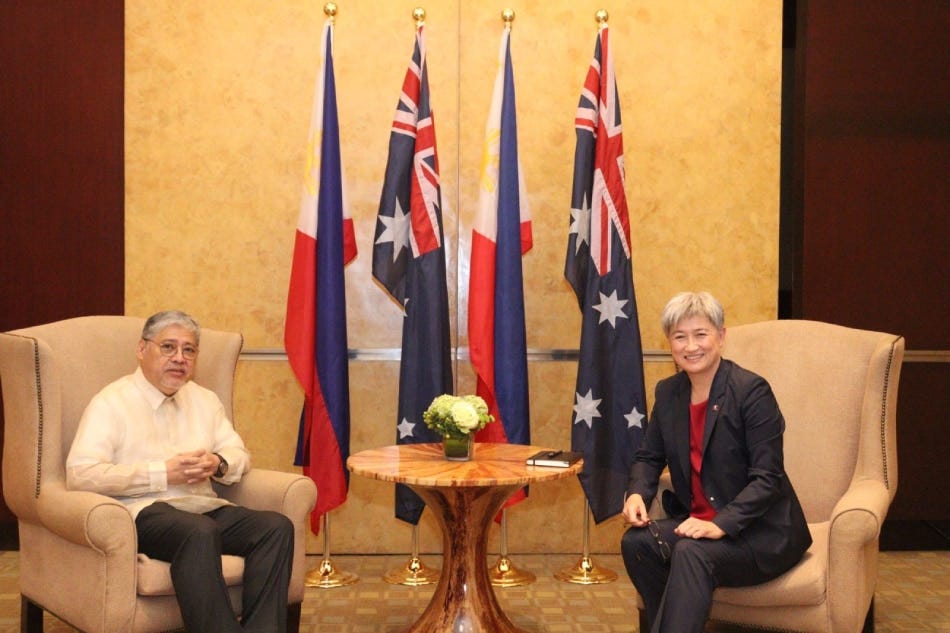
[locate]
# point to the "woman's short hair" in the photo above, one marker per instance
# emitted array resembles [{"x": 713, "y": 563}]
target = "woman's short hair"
[
  {"x": 686, "y": 305},
  {"x": 161, "y": 320}
]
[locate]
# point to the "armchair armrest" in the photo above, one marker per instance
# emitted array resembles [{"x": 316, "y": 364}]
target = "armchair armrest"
[
  {"x": 656, "y": 508},
  {"x": 857, "y": 517},
  {"x": 86, "y": 518},
  {"x": 292, "y": 495},
  {"x": 288, "y": 493},
  {"x": 852, "y": 552}
]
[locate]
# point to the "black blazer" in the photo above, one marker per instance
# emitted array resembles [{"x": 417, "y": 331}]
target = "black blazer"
[{"x": 743, "y": 471}]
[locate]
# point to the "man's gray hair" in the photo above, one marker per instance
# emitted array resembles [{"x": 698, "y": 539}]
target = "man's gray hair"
[
  {"x": 161, "y": 320},
  {"x": 686, "y": 305}
]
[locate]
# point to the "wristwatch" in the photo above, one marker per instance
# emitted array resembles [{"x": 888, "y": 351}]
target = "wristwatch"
[{"x": 222, "y": 467}]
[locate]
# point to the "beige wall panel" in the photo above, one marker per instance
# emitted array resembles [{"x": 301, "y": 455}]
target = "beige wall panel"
[
  {"x": 218, "y": 99},
  {"x": 700, "y": 96}
]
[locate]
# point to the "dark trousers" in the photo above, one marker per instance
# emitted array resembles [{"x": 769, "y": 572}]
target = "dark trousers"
[
  {"x": 677, "y": 594},
  {"x": 193, "y": 544}
]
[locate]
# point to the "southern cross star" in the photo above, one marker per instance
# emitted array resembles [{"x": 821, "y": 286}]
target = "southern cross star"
[
  {"x": 405, "y": 428},
  {"x": 586, "y": 408},
  {"x": 634, "y": 419}
]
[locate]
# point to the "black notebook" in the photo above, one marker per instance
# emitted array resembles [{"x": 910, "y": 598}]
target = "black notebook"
[{"x": 558, "y": 459}]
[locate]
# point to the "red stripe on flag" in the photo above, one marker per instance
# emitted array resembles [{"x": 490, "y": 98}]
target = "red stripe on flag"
[
  {"x": 349, "y": 241},
  {"x": 481, "y": 317},
  {"x": 300, "y": 327},
  {"x": 326, "y": 463},
  {"x": 410, "y": 88},
  {"x": 527, "y": 239}
]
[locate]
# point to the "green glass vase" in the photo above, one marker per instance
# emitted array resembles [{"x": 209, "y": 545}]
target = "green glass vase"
[{"x": 458, "y": 449}]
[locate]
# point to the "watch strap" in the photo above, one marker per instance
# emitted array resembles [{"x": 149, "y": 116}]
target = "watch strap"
[{"x": 222, "y": 466}]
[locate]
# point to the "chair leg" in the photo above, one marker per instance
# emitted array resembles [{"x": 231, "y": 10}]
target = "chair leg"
[
  {"x": 869, "y": 619},
  {"x": 31, "y": 616},
  {"x": 644, "y": 623},
  {"x": 293, "y": 618}
]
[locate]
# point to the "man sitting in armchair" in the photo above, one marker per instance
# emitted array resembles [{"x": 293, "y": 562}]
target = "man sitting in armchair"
[{"x": 154, "y": 440}]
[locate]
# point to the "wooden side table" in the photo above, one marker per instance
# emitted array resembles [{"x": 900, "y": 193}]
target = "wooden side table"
[{"x": 464, "y": 497}]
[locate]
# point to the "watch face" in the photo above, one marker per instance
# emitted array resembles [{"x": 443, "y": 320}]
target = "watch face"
[{"x": 222, "y": 467}]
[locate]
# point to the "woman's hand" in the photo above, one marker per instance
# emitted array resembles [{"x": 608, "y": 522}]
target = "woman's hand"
[
  {"x": 635, "y": 511},
  {"x": 697, "y": 528}
]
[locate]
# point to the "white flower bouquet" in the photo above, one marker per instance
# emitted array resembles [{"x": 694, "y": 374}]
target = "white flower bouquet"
[{"x": 457, "y": 417}]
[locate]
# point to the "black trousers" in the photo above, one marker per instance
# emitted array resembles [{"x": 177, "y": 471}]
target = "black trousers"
[
  {"x": 677, "y": 593},
  {"x": 193, "y": 544}
]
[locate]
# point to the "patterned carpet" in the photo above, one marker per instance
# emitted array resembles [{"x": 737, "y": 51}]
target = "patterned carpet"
[{"x": 913, "y": 594}]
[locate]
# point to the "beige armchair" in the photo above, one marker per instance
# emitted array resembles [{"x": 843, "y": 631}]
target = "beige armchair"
[
  {"x": 837, "y": 388},
  {"x": 78, "y": 555}
]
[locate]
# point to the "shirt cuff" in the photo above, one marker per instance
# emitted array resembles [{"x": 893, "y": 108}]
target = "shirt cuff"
[{"x": 157, "y": 476}]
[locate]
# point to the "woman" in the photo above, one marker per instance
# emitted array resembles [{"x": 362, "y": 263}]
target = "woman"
[{"x": 734, "y": 517}]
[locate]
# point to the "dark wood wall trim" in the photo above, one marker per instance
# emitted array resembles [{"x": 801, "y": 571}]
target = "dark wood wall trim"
[
  {"x": 868, "y": 185},
  {"x": 62, "y": 189}
]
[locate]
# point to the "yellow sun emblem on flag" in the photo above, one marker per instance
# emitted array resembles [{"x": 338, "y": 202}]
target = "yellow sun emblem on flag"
[
  {"x": 490, "y": 158},
  {"x": 311, "y": 175}
]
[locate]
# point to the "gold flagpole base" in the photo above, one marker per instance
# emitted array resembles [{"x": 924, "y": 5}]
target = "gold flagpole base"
[
  {"x": 584, "y": 572},
  {"x": 414, "y": 574},
  {"x": 505, "y": 574},
  {"x": 326, "y": 576}
]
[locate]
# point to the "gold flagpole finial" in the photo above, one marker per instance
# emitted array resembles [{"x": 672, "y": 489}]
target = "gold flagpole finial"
[
  {"x": 601, "y": 17},
  {"x": 419, "y": 15},
  {"x": 330, "y": 9},
  {"x": 508, "y": 16}
]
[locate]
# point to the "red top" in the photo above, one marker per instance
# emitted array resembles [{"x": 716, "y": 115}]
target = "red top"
[{"x": 700, "y": 507}]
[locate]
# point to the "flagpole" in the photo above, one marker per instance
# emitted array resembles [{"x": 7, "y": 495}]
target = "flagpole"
[
  {"x": 415, "y": 573},
  {"x": 504, "y": 573},
  {"x": 326, "y": 576},
  {"x": 584, "y": 572}
]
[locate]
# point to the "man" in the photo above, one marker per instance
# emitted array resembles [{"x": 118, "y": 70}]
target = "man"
[
  {"x": 154, "y": 440},
  {"x": 734, "y": 517}
]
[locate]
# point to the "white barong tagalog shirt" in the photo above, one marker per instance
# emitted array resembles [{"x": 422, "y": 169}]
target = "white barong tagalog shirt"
[{"x": 130, "y": 428}]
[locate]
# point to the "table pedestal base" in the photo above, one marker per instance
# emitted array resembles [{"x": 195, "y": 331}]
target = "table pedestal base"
[{"x": 464, "y": 599}]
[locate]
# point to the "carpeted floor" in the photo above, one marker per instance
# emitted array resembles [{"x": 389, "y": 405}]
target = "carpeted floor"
[{"x": 913, "y": 594}]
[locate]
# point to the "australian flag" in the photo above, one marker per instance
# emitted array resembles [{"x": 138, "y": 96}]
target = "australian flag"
[
  {"x": 409, "y": 262},
  {"x": 609, "y": 402}
]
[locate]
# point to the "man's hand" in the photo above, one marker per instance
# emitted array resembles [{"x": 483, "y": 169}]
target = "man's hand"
[
  {"x": 635, "y": 511},
  {"x": 697, "y": 528},
  {"x": 191, "y": 467}
]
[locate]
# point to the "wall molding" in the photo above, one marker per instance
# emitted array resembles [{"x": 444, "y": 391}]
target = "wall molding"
[{"x": 536, "y": 354}]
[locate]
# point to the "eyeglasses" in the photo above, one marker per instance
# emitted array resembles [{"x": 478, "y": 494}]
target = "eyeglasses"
[
  {"x": 169, "y": 349},
  {"x": 665, "y": 550}
]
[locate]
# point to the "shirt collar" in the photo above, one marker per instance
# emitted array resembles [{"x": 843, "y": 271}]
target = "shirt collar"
[{"x": 150, "y": 392}]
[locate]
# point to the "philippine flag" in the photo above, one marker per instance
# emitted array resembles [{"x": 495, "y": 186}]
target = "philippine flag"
[
  {"x": 501, "y": 235},
  {"x": 315, "y": 327}
]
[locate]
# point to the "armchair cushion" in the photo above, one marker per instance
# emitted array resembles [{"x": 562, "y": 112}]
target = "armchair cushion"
[
  {"x": 155, "y": 578},
  {"x": 804, "y": 584}
]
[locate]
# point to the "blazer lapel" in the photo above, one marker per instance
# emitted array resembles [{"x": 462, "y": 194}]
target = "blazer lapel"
[
  {"x": 681, "y": 426},
  {"x": 717, "y": 394}
]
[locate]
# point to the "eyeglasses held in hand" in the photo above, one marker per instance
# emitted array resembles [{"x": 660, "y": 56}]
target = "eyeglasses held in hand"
[
  {"x": 665, "y": 550},
  {"x": 166, "y": 348}
]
